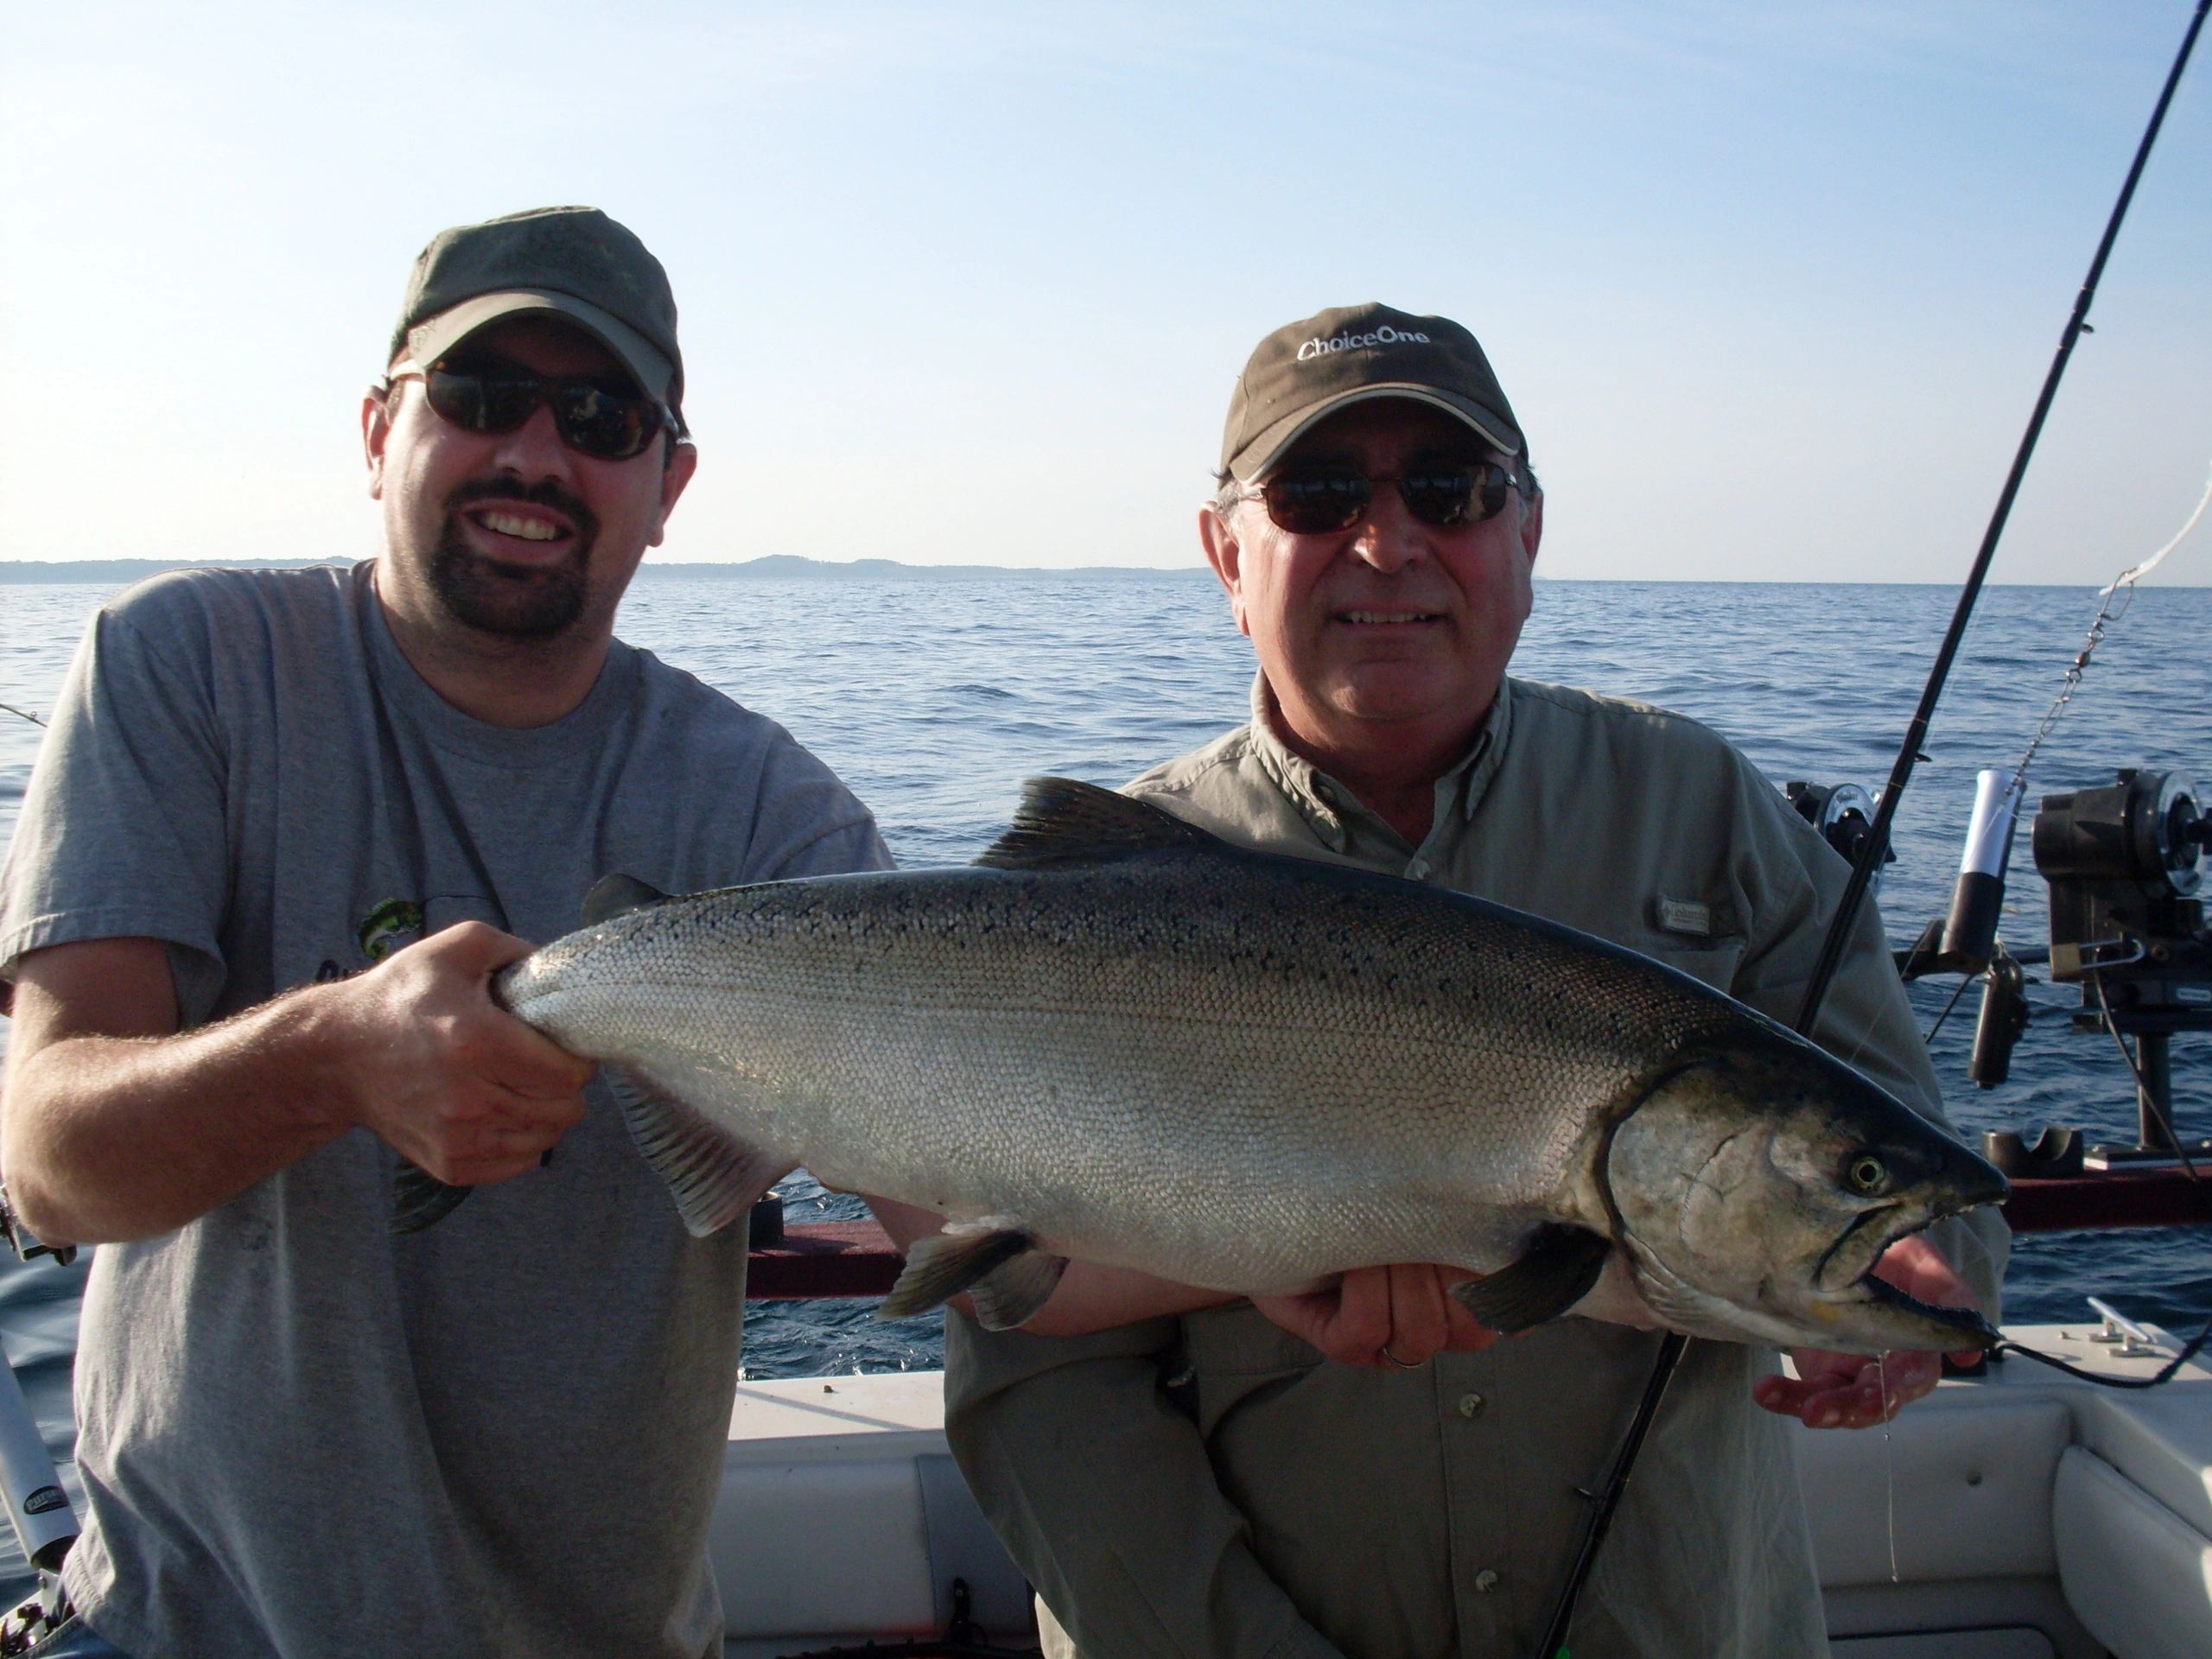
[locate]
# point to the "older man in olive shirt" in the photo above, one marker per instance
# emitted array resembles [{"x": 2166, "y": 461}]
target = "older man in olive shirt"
[{"x": 1211, "y": 1484}]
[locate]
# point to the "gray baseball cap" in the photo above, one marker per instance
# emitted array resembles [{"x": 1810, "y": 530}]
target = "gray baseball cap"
[
  {"x": 572, "y": 263},
  {"x": 1349, "y": 355}
]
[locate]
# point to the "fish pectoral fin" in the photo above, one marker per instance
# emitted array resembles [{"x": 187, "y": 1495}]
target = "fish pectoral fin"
[
  {"x": 1063, "y": 824},
  {"x": 420, "y": 1199},
  {"x": 618, "y": 895},
  {"x": 1010, "y": 1276},
  {"x": 714, "y": 1178},
  {"x": 1554, "y": 1273}
]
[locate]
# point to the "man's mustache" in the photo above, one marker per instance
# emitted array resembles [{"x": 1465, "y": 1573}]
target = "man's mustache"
[{"x": 543, "y": 493}]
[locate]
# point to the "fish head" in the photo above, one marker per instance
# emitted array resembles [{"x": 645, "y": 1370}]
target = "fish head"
[{"x": 1757, "y": 1185}]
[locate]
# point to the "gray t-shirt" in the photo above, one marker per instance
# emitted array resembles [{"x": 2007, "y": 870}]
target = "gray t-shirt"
[{"x": 299, "y": 1434}]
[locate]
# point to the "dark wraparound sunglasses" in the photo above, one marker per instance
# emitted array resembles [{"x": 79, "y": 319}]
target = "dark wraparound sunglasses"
[
  {"x": 1319, "y": 501},
  {"x": 591, "y": 420}
]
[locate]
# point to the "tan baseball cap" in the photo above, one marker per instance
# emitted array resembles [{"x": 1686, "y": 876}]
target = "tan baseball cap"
[
  {"x": 574, "y": 263},
  {"x": 1308, "y": 370}
]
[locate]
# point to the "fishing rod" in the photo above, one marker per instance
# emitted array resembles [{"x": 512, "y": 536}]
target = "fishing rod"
[{"x": 1606, "y": 1499}]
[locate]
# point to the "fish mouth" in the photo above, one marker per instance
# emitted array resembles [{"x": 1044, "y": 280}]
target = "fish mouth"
[
  {"x": 1869, "y": 1227},
  {"x": 1968, "y": 1323},
  {"x": 1858, "y": 1222}
]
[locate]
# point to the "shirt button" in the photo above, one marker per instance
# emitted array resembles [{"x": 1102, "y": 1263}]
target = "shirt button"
[
  {"x": 1417, "y": 870},
  {"x": 1471, "y": 1405},
  {"x": 1485, "y": 1581}
]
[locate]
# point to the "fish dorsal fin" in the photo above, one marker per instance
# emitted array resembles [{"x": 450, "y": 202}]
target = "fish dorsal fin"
[
  {"x": 714, "y": 1178},
  {"x": 618, "y": 895},
  {"x": 1554, "y": 1273},
  {"x": 1062, "y": 823}
]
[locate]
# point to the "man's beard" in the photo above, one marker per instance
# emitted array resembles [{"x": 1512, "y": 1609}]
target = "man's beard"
[{"x": 523, "y": 603}]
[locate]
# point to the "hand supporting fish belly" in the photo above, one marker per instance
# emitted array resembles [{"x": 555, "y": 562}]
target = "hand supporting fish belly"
[
  {"x": 1118, "y": 1039},
  {"x": 1403, "y": 1314}
]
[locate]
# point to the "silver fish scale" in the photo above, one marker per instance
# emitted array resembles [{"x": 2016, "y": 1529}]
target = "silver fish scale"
[{"x": 1241, "y": 1075}]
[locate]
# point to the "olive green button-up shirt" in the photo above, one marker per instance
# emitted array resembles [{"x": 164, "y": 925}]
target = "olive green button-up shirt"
[{"x": 1211, "y": 1488}]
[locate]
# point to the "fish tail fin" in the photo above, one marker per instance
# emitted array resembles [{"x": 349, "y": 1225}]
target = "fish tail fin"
[{"x": 713, "y": 1179}]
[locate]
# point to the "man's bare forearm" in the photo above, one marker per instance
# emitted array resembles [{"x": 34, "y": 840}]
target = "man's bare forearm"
[
  {"x": 109, "y": 1138},
  {"x": 115, "y": 1127}
]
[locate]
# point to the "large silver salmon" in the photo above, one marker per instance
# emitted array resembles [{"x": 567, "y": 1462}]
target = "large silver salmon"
[{"x": 1121, "y": 1039}]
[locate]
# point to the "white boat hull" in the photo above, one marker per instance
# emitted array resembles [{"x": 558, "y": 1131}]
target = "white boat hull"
[{"x": 2035, "y": 1517}]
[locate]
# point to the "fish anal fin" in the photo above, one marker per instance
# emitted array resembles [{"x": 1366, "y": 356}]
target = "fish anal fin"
[
  {"x": 1554, "y": 1273},
  {"x": 1062, "y": 823},
  {"x": 618, "y": 895},
  {"x": 420, "y": 1199},
  {"x": 1007, "y": 1295},
  {"x": 714, "y": 1178},
  {"x": 942, "y": 1265}
]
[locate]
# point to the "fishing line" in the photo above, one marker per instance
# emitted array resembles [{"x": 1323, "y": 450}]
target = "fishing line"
[
  {"x": 2106, "y": 616},
  {"x": 2189, "y": 1352},
  {"x": 1888, "y": 1460},
  {"x": 1965, "y": 979},
  {"x": 1607, "y": 1498},
  {"x": 2158, "y": 1110}
]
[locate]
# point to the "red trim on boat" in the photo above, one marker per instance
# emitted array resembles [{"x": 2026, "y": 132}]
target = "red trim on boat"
[{"x": 2113, "y": 1197}]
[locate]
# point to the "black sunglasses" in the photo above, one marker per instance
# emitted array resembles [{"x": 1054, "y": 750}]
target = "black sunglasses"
[
  {"x": 1319, "y": 501},
  {"x": 591, "y": 420}
]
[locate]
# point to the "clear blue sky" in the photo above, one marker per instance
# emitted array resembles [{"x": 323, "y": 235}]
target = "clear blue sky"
[{"x": 1772, "y": 286}]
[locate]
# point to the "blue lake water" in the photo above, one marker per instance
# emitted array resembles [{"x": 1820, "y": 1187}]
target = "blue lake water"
[{"x": 934, "y": 699}]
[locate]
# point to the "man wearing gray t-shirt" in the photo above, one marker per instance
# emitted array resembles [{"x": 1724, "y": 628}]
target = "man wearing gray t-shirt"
[{"x": 284, "y": 830}]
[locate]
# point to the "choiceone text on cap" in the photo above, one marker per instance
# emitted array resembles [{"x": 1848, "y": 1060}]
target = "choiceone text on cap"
[{"x": 1306, "y": 371}]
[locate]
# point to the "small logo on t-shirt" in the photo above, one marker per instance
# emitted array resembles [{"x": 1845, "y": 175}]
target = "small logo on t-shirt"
[{"x": 390, "y": 926}]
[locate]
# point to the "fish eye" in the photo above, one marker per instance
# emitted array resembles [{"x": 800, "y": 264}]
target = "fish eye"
[{"x": 1866, "y": 1174}]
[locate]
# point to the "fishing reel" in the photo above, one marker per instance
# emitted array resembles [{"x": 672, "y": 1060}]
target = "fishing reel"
[
  {"x": 2124, "y": 868},
  {"x": 1844, "y": 814},
  {"x": 2126, "y": 863}
]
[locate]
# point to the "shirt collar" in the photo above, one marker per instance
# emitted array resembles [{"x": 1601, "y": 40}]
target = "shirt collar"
[{"x": 1329, "y": 806}]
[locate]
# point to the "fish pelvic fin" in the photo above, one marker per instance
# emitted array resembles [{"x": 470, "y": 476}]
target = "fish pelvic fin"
[
  {"x": 713, "y": 1179},
  {"x": 618, "y": 895},
  {"x": 1064, "y": 824},
  {"x": 997, "y": 1263},
  {"x": 1555, "y": 1272},
  {"x": 420, "y": 1199}
]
